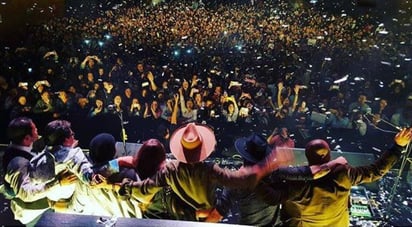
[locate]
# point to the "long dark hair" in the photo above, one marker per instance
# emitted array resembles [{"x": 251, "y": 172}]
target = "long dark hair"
[{"x": 149, "y": 158}]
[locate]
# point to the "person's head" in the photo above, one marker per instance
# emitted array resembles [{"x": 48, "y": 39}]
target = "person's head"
[
  {"x": 107, "y": 85},
  {"x": 154, "y": 105},
  {"x": 303, "y": 105},
  {"x": 99, "y": 102},
  {"x": 128, "y": 92},
  {"x": 91, "y": 63},
  {"x": 135, "y": 101},
  {"x": 140, "y": 67},
  {"x": 230, "y": 107},
  {"x": 90, "y": 76},
  {"x": 284, "y": 133},
  {"x": 63, "y": 95},
  {"x": 117, "y": 100},
  {"x": 218, "y": 89},
  {"x": 253, "y": 148},
  {"x": 286, "y": 101},
  {"x": 102, "y": 148},
  {"x": 383, "y": 103},
  {"x": 362, "y": 98},
  {"x": 45, "y": 95},
  {"x": 72, "y": 89},
  {"x": 189, "y": 104},
  {"x": 22, "y": 100},
  {"x": 59, "y": 132},
  {"x": 185, "y": 84},
  {"x": 198, "y": 98},
  {"x": 96, "y": 86},
  {"x": 22, "y": 131},
  {"x": 101, "y": 71},
  {"x": 192, "y": 143},
  {"x": 149, "y": 158},
  {"x": 82, "y": 102},
  {"x": 317, "y": 152}
]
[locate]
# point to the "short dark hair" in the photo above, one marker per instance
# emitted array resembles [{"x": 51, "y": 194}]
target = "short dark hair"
[
  {"x": 56, "y": 132},
  {"x": 102, "y": 148},
  {"x": 19, "y": 128},
  {"x": 312, "y": 155}
]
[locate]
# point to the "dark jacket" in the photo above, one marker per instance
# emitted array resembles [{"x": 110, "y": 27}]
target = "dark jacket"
[{"x": 252, "y": 207}]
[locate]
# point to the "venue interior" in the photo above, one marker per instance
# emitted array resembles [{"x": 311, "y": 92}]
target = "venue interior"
[{"x": 340, "y": 71}]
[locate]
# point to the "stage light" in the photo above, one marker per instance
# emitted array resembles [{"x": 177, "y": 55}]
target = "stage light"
[
  {"x": 239, "y": 47},
  {"x": 100, "y": 43},
  {"x": 107, "y": 36},
  {"x": 87, "y": 41},
  {"x": 189, "y": 51},
  {"x": 176, "y": 53}
]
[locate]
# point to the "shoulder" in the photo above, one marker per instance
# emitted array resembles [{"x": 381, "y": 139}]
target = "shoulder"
[{"x": 340, "y": 170}]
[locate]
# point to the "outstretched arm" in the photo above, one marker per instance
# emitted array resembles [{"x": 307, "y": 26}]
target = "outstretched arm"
[{"x": 373, "y": 172}]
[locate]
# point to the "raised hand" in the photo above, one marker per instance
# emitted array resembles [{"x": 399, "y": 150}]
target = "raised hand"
[
  {"x": 403, "y": 137},
  {"x": 66, "y": 177}
]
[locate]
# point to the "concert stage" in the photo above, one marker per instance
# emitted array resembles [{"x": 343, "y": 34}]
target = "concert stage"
[{"x": 369, "y": 201}]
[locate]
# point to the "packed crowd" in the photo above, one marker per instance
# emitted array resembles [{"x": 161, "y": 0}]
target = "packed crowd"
[
  {"x": 232, "y": 66},
  {"x": 249, "y": 76}
]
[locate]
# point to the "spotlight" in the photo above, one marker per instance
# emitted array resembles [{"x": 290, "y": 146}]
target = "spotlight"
[
  {"x": 107, "y": 36},
  {"x": 189, "y": 51},
  {"x": 100, "y": 43},
  {"x": 87, "y": 41},
  {"x": 176, "y": 53}
]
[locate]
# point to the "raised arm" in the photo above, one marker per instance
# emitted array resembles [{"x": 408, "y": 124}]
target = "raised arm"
[
  {"x": 373, "y": 172},
  {"x": 173, "y": 119}
]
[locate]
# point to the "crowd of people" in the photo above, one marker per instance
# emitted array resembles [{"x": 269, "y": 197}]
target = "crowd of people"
[
  {"x": 244, "y": 77},
  {"x": 232, "y": 66}
]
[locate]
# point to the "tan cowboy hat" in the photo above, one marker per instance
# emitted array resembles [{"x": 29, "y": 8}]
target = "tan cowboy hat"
[{"x": 192, "y": 143}]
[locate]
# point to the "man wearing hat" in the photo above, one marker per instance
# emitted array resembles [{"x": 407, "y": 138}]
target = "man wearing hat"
[
  {"x": 196, "y": 181},
  {"x": 324, "y": 202},
  {"x": 253, "y": 210}
]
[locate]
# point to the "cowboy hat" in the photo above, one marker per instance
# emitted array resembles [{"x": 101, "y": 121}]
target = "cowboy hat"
[
  {"x": 253, "y": 148},
  {"x": 192, "y": 143}
]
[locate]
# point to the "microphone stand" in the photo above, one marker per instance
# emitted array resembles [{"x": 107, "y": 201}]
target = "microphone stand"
[
  {"x": 395, "y": 186},
  {"x": 405, "y": 159},
  {"x": 123, "y": 133}
]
